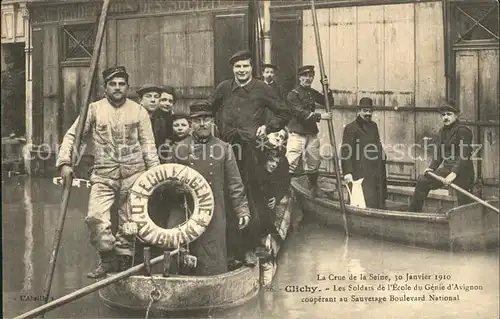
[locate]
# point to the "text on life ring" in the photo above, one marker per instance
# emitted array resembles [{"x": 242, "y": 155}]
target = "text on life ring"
[{"x": 184, "y": 233}]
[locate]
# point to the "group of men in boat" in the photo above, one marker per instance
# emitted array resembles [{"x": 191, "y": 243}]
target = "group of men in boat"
[{"x": 262, "y": 137}]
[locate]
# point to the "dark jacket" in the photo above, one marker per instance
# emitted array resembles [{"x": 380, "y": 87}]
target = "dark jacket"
[
  {"x": 301, "y": 102},
  {"x": 453, "y": 150},
  {"x": 162, "y": 123},
  {"x": 362, "y": 156},
  {"x": 216, "y": 161},
  {"x": 239, "y": 111}
]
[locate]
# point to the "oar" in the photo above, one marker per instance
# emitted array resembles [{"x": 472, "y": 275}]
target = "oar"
[
  {"x": 463, "y": 191},
  {"x": 75, "y": 150},
  {"x": 91, "y": 288},
  {"x": 330, "y": 125}
]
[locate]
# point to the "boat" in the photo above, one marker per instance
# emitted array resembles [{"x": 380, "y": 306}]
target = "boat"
[
  {"x": 180, "y": 293},
  {"x": 442, "y": 225}
]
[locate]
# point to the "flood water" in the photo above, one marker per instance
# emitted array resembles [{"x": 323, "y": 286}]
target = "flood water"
[{"x": 30, "y": 210}]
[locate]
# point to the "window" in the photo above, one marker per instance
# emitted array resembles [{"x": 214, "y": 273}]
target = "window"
[
  {"x": 79, "y": 41},
  {"x": 478, "y": 21}
]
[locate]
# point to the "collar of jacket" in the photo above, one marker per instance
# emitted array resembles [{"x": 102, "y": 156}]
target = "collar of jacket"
[
  {"x": 116, "y": 106},
  {"x": 201, "y": 140},
  {"x": 451, "y": 126},
  {"x": 247, "y": 87},
  {"x": 362, "y": 122}
]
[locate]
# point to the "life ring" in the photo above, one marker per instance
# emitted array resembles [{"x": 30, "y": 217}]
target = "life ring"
[{"x": 185, "y": 233}]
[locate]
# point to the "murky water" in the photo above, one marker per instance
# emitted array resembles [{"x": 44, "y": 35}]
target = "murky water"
[{"x": 30, "y": 210}]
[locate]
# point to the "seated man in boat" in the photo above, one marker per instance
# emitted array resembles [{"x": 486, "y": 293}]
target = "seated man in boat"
[
  {"x": 215, "y": 160},
  {"x": 303, "y": 142},
  {"x": 124, "y": 148},
  {"x": 452, "y": 151},
  {"x": 363, "y": 156}
]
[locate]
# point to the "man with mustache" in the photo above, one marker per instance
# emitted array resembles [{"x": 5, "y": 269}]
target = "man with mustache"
[
  {"x": 268, "y": 75},
  {"x": 452, "y": 151},
  {"x": 362, "y": 155},
  {"x": 215, "y": 160},
  {"x": 303, "y": 142},
  {"x": 124, "y": 148},
  {"x": 239, "y": 105}
]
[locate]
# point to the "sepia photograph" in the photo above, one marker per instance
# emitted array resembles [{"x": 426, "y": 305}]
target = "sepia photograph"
[{"x": 300, "y": 159}]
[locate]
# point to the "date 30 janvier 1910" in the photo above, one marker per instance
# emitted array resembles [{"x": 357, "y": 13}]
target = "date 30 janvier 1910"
[{"x": 382, "y": 277}]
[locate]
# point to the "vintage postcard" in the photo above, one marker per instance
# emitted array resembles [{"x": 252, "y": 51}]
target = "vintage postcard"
[{"x": 250, "y": 159}]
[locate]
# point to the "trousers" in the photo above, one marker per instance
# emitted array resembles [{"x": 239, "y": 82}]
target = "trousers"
[
  {"x": 425, "y": 184},
  {"x": 105, "y": 192},
  {"x": 306, "y": 148}
]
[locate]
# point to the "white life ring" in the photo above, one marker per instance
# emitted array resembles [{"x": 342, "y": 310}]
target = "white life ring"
[{"x": 203, "y": 200}]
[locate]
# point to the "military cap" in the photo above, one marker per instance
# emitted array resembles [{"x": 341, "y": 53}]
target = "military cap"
[
  {"x": 448, "y": 108},
  {"x": 200, "y": 108},
  {"x": 305, "y": 69},
  {"x": 168, "y": 89},
  {"x": 146, "y": 88},
  {"x": 269, "y": 65},
  {"x": 365, "y": 103},
  {"x": 240, "y": 55},
  {"x": 109, "y": 73},
  {"x": 180, "y": 115}
]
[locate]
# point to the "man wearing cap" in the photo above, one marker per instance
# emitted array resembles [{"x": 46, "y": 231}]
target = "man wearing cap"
[
  {"x": 268, "y": 74},
  {"x": 362, "y": 155},
  {"x": 451, "y": 160},
  {"x": 149, "y": 97},
  {"x": 303, "y": 142},
  {"x": 215, "y": 160},
  {"x": 124, "y": 148},
  {"x": 239, "y": 105}
]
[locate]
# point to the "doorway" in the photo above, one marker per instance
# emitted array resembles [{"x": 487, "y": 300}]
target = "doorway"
[{"x": 13, "y": 90}]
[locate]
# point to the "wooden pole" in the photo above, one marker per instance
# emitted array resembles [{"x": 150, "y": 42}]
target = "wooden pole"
[
  {"x": 327, "y": 106},
  {"x": 76, "y": 149},
  {"x": 267, "y": 31},
  {"x": 463, "y": 191},
  {"x": 90, "y": 289}
]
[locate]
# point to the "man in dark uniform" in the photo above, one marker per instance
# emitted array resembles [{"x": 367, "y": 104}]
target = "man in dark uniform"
[
  {"x": 452, "y": 151},
  {"x": 268, "y": 76},
  {"x": 303, "y": 142},
  {"x": 239, "y": 105},
  {"x": 215, "y": 160},
  {"x": 363, "y": 157}
]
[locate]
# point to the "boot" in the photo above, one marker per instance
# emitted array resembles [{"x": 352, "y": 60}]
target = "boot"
[
  {"x": 106, "y": 264},
  {"x": 316, "y": 191},
  {"x": 124, "y": 262}
]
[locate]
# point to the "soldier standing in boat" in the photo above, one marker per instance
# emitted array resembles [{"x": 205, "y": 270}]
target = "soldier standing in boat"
[
  {"x": 453, "y": 151},
  {"x": 124, "y": 148},
  {"x": 215, "y": 160},
  {"x": 239, "y": 105},
  {"x": 303, "y": 142},
  {"x": 362, "y": 155}
]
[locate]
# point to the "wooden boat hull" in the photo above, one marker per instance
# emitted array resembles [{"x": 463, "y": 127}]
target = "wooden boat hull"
[
  {"x": 193, "y": 293},
  {"x": 183, "y": 293},
  {"x": 468, "y": 227}
]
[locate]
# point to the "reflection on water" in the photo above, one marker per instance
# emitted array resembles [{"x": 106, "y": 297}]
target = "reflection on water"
[{"x": 31, "y": 208}]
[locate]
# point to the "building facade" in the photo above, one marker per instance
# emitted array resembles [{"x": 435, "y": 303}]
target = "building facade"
[{"x": 408, "y": 56}]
